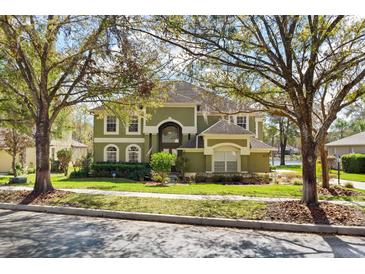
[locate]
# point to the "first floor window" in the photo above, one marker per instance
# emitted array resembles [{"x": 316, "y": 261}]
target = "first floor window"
[
  {"x": 133, "y": 124},
  {"x": 111, "y": 154},
  {"x": 242, "y": 121},
  {"x": 111, "y": 124},
  {"x": 225, "y": 161},
  {"x": 133, "y": 153}
]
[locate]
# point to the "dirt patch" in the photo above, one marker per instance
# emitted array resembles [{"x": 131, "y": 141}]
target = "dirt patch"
[
  {"x": 27, "y": 197},
  {"x": 324, "y": 213},
  {"x": 337, "y": 191}
]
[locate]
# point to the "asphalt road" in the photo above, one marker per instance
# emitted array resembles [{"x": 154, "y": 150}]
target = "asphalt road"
[{"x": 28, "y": 234}]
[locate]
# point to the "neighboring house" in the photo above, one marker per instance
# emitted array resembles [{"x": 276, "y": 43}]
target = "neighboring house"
[
  {"x": 79, "y": 150},
  {"x": 352, "y": 144},
  {"x": 189, "y": 125}
]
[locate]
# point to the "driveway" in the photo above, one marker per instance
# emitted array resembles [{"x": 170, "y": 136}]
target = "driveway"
[{"x": 29, "y": 234}]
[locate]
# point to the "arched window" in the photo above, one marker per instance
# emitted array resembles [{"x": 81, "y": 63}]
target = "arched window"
[
  {"x": 170, "y": 134},
  {"x": 111, "y": 153},
  {"x": 133, "y": 154}
]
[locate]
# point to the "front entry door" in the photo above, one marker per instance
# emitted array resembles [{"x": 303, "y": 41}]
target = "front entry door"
[{"x": 170, "y": 138}]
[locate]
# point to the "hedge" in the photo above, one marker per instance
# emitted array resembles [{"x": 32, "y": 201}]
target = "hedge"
[
  {"x": 232, "y": 178},
  {"x": 134, "y": 171},
  {"x": 353, "y": 163}
]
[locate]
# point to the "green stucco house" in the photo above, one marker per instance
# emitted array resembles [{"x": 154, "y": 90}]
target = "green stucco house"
[{"x": 189, "y": 124}]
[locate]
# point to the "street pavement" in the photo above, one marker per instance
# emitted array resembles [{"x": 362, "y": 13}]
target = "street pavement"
[{"x": 29, "y": 234}]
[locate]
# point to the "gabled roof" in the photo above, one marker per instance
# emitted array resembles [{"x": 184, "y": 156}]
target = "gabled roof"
[
  {"x": 353, "y": 140},
  {"x": 225, "y": 127},
  {"x": 256, "y": 143},
  {"x": 182, "y": 92}
]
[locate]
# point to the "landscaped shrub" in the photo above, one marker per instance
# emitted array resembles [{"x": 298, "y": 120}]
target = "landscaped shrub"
[
  {"x": 161, "y": 163},
  {"x": 55, "y": 166},
  {"x": 349, "y": 185},
  {"x": 232, "y": 178},
  {"x": 134, "y": 171},
  {"x": 78, "y": 174},
  {"x": 353, "y": 163},
  {"x": 64, "y": 157}
]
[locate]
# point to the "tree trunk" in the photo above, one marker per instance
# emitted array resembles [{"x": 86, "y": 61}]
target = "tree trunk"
[
  {"x": 309, "y": 172},
  {"x": 13, "y": 164},
  {"x": 42, "y": 140},
  {"x": 282, "y": 154},
  {"x": 283, "y": 140},
  {"x": 324, "y": 164}
]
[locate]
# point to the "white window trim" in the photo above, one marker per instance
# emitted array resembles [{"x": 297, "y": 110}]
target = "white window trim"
[
  {"x": 105, "y": 152},
  {"x": 127, "y": 132},
  {"x": 127, "y": 154},
  {"x": 240, "y": 115},
  {"x": 238, "y": 155},
  {"x": 105, "y": 126}
]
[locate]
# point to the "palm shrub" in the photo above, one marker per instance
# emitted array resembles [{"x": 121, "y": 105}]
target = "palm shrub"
[
  {"x": 161, "y": 163},
  {"x": 64, "y": 157},
  {"x": 181, "y": 165}
]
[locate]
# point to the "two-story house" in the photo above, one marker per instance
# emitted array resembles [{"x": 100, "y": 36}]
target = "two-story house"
[{"x": 188, "y": 125}]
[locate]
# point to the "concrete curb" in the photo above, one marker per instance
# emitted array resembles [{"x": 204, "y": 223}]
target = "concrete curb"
[{"x": 219, "y": 222}]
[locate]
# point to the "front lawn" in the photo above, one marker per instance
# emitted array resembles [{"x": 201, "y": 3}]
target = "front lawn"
[
  {"x": 291, "y": 211},
  {"x": 291, "y": 191},
  {"x": 343, "y": 175}
]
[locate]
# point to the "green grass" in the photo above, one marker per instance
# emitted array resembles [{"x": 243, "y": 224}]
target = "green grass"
[
  {"x": 272, "y": 190},
  {"x": 343, "y": 175},
  {"x": 210, "y": 208}
]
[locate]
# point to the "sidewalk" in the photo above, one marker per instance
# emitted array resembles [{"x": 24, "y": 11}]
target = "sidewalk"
[
  {"x": 357, "y": 185},
  {"x": 180, "y": 196}
]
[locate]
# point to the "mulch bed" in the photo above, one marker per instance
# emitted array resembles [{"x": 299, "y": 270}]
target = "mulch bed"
[
  {"x": 26, "y": 197},
  {"x": 325, "y": 213},
  {"x": 337, "y": 191}
]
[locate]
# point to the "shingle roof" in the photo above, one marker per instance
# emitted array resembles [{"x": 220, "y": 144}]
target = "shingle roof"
[
  {"x": 184, "y": 92},
  {"x": 75, "y": 143},
  {"x": 357, "y": 139},
  {"x": 256, "y": 143},
  {"x": 225, "y": 127}
]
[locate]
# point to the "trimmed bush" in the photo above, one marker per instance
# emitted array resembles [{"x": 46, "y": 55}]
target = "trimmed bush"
[
  {"x": 134, "y": 171},
  {"x": 78, "y": 174},
  {"x": 233, "y": 178},
  {"x": 161, "y": 163},
  {"x": 353, "y": 163},
  {"x": 349, "y": 185}
]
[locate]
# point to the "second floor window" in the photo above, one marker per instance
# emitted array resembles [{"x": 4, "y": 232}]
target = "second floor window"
[
  {"x": 242, "y": 121},
  {"x": 111, "y": 124},
  {"x": 133, "y": 125}
]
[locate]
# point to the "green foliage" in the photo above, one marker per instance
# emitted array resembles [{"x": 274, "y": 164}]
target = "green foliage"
[
  {"x": 134, "y": 171},
  {"x": 353, "y": 163},
  {"x": 234, "y": 178},
  {"x": 349, "y": 185},
  {"x": 181, "y": 164},
  {"x": 64, "y": 157},
  {"x": 55, "y": 166},
  {"x": 161, "y": 163}
]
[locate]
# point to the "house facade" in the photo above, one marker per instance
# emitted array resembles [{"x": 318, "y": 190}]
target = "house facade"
[
  {"x": 190, "y": 126},
  {"x": 351, "y": 144}
]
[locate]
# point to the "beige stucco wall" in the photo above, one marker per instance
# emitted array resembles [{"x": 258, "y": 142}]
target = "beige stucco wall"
[
  {"x": 240, "y": 142},
  {"x": 5, "y": 161},
  {"x": 196, "y": 161},
  {"x": 340, "y": 150},
  {"x": 258, "y": 162}
]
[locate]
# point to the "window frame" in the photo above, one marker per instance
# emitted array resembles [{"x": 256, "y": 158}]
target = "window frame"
[
  {"x": 106, "y": 153},
  {"x": 116, "y": 132},
  {"x": 139, "y": 153},
  {"x": 138, "y": 132}
]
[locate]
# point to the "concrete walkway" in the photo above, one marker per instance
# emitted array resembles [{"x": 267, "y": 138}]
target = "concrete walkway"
[
  {"x": 358, "y": 185},
  {"x": 178, "y": 196}
]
